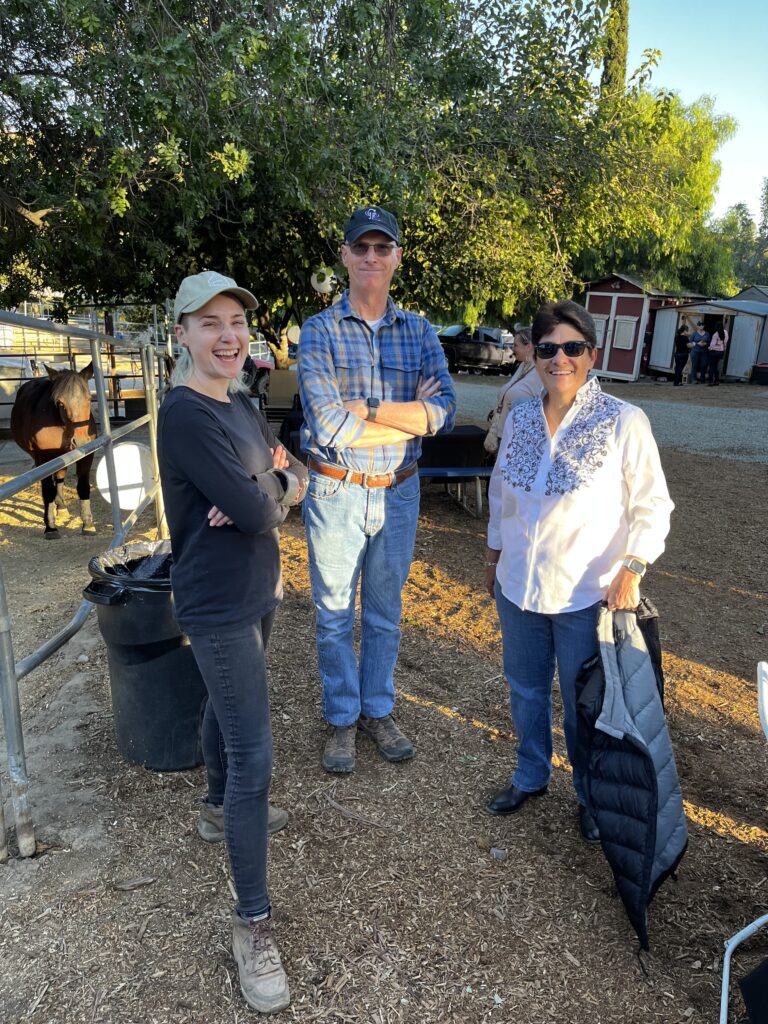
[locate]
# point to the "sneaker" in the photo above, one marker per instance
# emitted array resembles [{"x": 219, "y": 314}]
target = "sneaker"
[
  {"x": 210, "y": 823},
  {"x": 393, "y": 746},
  {"x": 263, "y": 981},
  {"x": 339, "y": 753}
]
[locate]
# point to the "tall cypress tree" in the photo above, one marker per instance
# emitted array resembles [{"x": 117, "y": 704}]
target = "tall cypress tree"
[{"x": 614, "y": 75}]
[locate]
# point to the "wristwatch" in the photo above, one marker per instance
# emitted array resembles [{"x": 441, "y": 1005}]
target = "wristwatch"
[
  {"x": 373, "y": 408},
  {"x": 635, "y": 565}
]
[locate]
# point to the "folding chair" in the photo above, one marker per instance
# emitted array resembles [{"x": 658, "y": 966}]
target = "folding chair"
[{"x": 759, "y": 977}]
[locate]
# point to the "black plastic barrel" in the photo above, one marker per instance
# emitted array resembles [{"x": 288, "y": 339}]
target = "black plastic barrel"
[{"x": 158, "y": 693}]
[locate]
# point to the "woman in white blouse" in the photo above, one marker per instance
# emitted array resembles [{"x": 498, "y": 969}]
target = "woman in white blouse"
[
  {"x": 525, "y": 383},
  {"x": 578, "y": 508}
]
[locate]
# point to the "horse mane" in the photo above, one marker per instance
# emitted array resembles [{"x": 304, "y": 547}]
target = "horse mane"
[{"x": 69, "y": 388}]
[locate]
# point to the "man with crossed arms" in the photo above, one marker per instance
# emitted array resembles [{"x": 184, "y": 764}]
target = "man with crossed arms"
[{"x": 373, "y": 381}]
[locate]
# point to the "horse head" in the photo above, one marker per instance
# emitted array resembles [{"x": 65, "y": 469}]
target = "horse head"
[{"x": 72, "y": 397}]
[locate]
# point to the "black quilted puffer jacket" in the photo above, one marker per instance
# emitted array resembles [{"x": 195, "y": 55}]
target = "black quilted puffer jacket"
[{"x": 626, "y": 755}]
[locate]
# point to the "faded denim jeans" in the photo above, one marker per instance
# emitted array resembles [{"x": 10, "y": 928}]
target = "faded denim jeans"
[
  {"x": 237, "y": 748},
  {"x": 359, "y": 535},
  {"x": 532, "y": 643}
]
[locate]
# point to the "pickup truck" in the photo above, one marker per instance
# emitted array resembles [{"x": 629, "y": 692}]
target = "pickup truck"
[{"x": 487, "y": 349}]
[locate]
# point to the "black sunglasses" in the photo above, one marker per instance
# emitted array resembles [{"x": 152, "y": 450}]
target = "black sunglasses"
[{"x": 548, "y": 349}]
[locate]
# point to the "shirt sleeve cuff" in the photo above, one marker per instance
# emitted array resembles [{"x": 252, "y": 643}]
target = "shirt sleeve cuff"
[
  {"x": 494, "y": 539},
  {"x": 435, "y": 416},
  {"x": 643, "y": 545}
]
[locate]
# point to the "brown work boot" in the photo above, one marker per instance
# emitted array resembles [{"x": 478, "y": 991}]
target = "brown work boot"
[
  {"x": 339, "y": 753},
  {"x": 392, "y": 744},
  {"x": 210, "y": 824},
  {"x": 263, "y": 981}
]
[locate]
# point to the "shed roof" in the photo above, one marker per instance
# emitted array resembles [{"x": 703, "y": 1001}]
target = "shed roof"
[
  {"x": 649, "y": 289},
  {"x": 763, "y": 288},
  {"x": 732, "y": 306}
]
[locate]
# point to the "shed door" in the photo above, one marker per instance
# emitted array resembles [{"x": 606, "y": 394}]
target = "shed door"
[
  {"x": 663, "y": 344},
  {"x": 742, "y": 352}
]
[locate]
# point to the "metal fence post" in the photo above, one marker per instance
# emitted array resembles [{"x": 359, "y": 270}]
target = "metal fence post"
[
  {"x": 14, "y": 736},
  {"x": 148, "y": 365},
  {"x": 3, "y": 840},
  {"x": 11, "y": 673},
  {"x": 169, "y": 333},
  {"x": 106, "y": 427}
]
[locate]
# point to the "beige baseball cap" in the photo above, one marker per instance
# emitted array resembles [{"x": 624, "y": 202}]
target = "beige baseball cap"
[{"x": 198, "y": 289}]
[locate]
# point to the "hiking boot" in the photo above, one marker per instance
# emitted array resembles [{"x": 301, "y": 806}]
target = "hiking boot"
[
  {"x": 339, "y": 753},
  {"x": 210, "y": 824},
  {"x": 393, "y": 746},
  {"x": 263, "y": 981}
]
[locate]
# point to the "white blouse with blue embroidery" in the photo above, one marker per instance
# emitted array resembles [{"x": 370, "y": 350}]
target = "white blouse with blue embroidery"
[{"x": 565, "y": 510}]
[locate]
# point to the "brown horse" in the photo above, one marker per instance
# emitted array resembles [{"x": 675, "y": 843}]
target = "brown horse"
[{"x": 50, "y": 417}]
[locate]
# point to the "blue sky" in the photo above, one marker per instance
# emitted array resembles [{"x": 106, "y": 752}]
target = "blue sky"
[{"x": 718, "y": 49}]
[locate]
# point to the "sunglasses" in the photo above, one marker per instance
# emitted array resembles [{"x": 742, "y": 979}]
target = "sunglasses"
[
  {"x": 381, "y": 249},
  {"x": 548, "y": 349}
]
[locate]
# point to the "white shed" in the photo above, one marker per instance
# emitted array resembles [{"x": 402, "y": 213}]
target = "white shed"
[{"x": 746, "y": 320}]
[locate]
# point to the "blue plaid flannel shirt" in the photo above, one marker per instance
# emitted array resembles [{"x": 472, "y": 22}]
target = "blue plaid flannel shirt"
[{"x": 340, "y": 359}]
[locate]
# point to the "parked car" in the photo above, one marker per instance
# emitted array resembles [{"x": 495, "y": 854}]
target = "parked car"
[{"x": 485, "y": 348}]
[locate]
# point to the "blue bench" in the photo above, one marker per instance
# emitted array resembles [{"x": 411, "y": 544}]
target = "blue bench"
[
  {"x": 460, "y": 475},
  {"x": 457, "y": 458}
]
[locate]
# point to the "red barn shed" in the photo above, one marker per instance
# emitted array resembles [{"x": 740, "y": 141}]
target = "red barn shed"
[{"x": 624, "y": 310}]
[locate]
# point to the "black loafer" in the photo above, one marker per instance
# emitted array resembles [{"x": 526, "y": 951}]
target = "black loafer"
[
  {"x": 590, "y": 833},
  {"x": 510, "y": 800}
]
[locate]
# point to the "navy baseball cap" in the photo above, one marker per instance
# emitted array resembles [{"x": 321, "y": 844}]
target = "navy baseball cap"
[{"x": 371, "y": 218}]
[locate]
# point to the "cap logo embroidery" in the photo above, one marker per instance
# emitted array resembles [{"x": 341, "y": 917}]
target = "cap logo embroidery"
[{"x": 372, "y": 213}]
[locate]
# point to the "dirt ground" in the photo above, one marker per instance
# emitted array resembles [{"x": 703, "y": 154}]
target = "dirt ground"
[{"x": 390, "y": 905}]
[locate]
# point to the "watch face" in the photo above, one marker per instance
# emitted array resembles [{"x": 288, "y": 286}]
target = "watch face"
[{"x": 636, "y": 566}]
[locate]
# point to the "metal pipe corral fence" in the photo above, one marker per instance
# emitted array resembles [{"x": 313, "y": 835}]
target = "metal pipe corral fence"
[{"x": 11, "y": 671}]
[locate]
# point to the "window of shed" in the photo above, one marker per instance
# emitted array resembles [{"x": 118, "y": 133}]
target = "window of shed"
[
  {"x": 600, "y": 325},
  {"x": 624, "y": 332}
]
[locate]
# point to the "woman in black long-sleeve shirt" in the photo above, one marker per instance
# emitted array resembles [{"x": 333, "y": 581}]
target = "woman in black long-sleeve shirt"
[{"x": 227, "y": 486}]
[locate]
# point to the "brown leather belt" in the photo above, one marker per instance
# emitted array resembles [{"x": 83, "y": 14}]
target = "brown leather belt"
[{"x": 362, "y": 479}]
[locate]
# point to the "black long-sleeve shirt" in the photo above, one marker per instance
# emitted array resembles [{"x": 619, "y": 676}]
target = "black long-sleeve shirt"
[{"x": 218, "y": 453}]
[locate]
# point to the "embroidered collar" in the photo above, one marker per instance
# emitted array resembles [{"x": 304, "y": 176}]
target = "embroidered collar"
[
  {"x": 581, "y": 447},
  {"x": 588, "y": 391}
]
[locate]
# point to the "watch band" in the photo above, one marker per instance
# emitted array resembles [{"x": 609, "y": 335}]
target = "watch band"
[
  {"x": 373, "y": 408},
  {"x": 635, "y": 565}
]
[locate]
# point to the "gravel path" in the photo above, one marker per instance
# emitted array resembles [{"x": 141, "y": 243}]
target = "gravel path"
[{"x": 732, "y": 433}]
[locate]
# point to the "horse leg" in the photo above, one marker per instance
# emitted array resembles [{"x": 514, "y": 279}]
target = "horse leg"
[
  {"x": 58, "y": 479},
  {"x": 48, "y": 486},
  {"x": 84, "y": 493},
  {"x": 61, "y": 505}
]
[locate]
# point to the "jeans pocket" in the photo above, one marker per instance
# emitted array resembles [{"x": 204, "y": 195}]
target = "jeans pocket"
[
  {"x": 408, "y": 489},
  {"x": 322, "y": 487}
]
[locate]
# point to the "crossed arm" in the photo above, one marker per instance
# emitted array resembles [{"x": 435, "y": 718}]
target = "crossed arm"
[{"x": 395, "y": 421}]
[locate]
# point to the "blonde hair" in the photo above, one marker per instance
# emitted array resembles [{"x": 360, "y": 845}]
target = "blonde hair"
[{"x": 185, "y": 367}]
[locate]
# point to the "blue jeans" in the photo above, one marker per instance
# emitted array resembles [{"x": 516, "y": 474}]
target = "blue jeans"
[
  {"x": 366, "y": 535},
  {"x": 532, "y": 643},
  {"x": 237, "y": 747},
  {"x": 698, "y": 363}
]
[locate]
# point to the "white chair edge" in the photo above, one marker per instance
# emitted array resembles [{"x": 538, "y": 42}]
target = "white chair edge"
[{"x": 762, "y": 694}]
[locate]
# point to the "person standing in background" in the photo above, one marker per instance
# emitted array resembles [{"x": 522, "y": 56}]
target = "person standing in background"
[
  {"x": 682, "y": 352},
  {"x": 699, "y": 346},
  {"x": 715, "y": 353},
  {"x": 525, "y": 383}
]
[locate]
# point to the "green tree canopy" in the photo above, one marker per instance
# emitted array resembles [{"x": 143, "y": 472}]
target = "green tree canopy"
[{"x": 144, "y": 141}]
